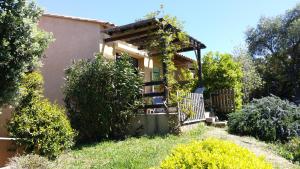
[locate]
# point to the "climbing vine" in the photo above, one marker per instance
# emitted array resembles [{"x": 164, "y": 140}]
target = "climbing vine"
[{"x": 166, "y": 41}]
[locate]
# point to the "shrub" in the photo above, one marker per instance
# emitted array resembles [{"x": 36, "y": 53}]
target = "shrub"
[
  {"x": 268, "y": 119},
  {"x": 101, "y": 97},
  {"x": 294, "y": 147},
  {"x": 290, "y": 150},
  {"x": 213, "y": 153},
  {"x": 29, "y": 162},
  {"x": 31, "y": 87},
  {"x": 41, "y": 127},
  {"x": 220, "y": 71}
]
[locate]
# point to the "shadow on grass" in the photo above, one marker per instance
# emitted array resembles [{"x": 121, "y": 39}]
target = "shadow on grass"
[
  {"x": 81, "y": 145},
  {"x": 192, "y": 134}
]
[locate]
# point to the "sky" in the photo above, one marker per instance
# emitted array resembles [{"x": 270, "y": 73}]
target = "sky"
[{"x": 219, "y": 24}]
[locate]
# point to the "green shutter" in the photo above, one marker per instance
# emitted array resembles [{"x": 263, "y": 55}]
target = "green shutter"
[
  {"x": 156, "y": 77},
  {"x": 155, "y": 74}
]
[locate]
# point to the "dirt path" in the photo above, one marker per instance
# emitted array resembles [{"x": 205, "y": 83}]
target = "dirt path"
[{"x": 258, "y": 147}]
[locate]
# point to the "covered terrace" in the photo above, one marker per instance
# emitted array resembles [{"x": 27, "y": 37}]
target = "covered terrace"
[{"x": 138, "y": 33}]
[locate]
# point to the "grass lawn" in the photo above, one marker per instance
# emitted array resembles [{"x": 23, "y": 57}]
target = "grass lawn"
[{"x": 144, "y": 152}]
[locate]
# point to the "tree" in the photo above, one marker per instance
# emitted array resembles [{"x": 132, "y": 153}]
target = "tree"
[
  {"x": 276, "y": 42},
  {"x": 102, "y": 96},
  {"x": 220, "y": 71},
  {"x": 252, "y": 80},
  {"x": 22, "y": 44}
]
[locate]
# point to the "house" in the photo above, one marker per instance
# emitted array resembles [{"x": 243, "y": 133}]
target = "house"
[{"x": 79, "y": 38}]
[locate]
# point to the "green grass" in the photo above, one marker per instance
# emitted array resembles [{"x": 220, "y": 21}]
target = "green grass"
[{"x": 144, "y": 152}]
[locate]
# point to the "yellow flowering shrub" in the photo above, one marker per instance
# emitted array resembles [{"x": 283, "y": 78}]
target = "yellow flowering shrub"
[{"x": 213, "y": 154}]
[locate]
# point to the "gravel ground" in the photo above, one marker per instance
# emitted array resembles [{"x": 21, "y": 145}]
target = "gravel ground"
[{"x": 257, "y": 147}]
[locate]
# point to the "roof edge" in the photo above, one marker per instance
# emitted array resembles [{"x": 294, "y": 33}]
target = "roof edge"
[{"x": 109, "y": 24}]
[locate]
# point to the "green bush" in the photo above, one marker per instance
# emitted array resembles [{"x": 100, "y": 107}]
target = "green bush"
[
  {"x": 220, "y": 71},
  {"x": 213, "y": 153},
  {"x": 294, "y": 147},
  {"x": 31, "y": 87},
  {"x": 290, "y": 150},
  {"x": 268, "y": 119},
  {"x": 101, "y": 97},
  {"x": 41, "y": 127},
  {"x": 29, "y": 161}
]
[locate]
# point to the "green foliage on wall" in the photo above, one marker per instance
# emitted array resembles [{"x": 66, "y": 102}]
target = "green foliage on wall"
[
  {"x": 162, "y": 43},
  {"x": 186, "y": 75},
  {"x": 102, "y": 96},
  {"x": 22, "y": 44},
  {"x": 220, "y": 71},
  {"x": 39, "y": 126}
]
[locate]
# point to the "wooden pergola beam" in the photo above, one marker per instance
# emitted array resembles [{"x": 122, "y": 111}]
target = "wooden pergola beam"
[
  {"x": 186, "y": 49},
  {"x": 131, "y": 26},
  {"x": 140, "y": 38},
  {"x": 140, "y": 42},
  {"x": 189, "y": 47},
  {"x": 131, "y": 34},
  {"x": 198, "y": 56}
]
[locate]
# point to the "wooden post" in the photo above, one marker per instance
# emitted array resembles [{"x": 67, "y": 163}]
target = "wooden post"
[
  {"x": 198, "y": 53},
  {"x": 165, "y": 80},
  {"x": 165, "y": 71}
]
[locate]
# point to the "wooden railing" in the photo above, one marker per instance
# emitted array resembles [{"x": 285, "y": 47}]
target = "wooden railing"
[
  {"x": 222, "y": 101},
  {"x": 157, "y": 94},
  {"x": 154, "y": 94},
  {"x": 195, "y": 103},
  {"x": 152, "y": 83}
]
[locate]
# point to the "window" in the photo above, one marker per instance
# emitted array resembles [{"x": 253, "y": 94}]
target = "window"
[{"x": 135, "y": 63}]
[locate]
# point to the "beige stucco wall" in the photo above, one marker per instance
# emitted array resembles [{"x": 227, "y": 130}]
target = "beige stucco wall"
[
  {"x": 7, "y": 150},
  {"x": 74, "y": 39},
  {"x": 7, "y": 147},
  {"x": 149, "y": 63},
  {"x": 153, "y": 124},
  {"x": 5, "y": 115}
]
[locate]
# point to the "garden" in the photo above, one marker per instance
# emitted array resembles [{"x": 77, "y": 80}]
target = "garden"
[{"x": 102, "y": 97}]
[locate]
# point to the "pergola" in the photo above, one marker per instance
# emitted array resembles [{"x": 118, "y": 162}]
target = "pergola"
[{"x": 138, "y": 33}]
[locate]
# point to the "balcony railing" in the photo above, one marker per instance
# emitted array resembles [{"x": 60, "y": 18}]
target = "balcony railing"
[{"x": 157, "y": 94}]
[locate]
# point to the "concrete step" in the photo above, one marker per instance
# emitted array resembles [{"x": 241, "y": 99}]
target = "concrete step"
[
  {"x": 220, "y": 124},
  {"x": 210, "y": 119},
  {"x": 215, "y": 122}
]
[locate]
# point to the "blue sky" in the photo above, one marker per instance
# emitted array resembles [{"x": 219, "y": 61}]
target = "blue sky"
[{"x": 220, "y": 24}]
